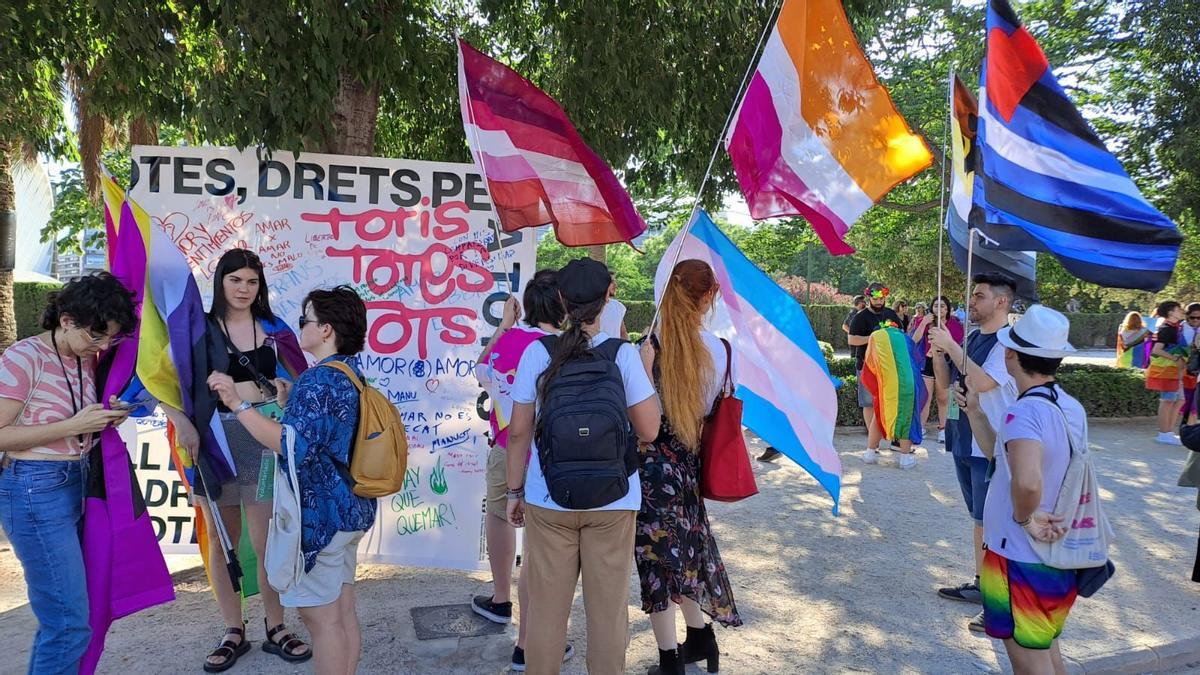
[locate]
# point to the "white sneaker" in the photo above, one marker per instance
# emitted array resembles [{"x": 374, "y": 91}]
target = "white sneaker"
[
  {"x": 908, "y": 461},
  {"x": 1168, "y": 438},
  {"x": 871, "y": 456},
  {"x": 942, "y": 436}
]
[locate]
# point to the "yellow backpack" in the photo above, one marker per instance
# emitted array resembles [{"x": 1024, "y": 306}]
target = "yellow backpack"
[{"x": 380, "y": 453}]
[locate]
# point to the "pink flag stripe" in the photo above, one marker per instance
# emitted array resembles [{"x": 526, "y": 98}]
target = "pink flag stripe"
[{"x": 519, "y": 135}]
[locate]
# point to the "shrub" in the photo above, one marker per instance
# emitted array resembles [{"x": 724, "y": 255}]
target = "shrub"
[
  {"x": 827, "y": 321},
  {"x": 826, "y": 349},
  {"x": 638, "y": 315},
  {"x": 29, "y": 300},
  {"x": 841, "y": 367},
  {"x": 849, "y": 414},
  {"x": 819, "y": 292}
]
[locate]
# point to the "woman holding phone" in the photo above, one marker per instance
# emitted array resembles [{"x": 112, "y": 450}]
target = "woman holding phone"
[
  {"x": 259, "y": 350},
  {"x": 49, "y": 419}
]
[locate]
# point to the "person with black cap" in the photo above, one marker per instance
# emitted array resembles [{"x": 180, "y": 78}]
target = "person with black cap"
[
  {"x": 862, "y": 325},
  {"x": 590, "y": 400}
]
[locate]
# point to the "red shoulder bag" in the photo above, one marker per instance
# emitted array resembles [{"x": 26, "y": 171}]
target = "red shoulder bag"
[{"x": 725, "y": 473}]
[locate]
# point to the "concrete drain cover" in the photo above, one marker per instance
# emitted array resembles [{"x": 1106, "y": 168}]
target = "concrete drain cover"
[{"x": 451, "y": 621}]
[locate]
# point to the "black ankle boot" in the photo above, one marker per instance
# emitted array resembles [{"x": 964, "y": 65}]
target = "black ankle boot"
[
  {"x": 669, "y": 663},
  {"x": 701, "y": 643}
]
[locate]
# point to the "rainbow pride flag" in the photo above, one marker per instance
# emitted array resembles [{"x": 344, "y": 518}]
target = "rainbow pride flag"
[
  {"x": 788, "y": 395},
  {"x": 892, "y": 373},
  {"x": 816, "y": 135},
  {"x": 538, "y": 169}
]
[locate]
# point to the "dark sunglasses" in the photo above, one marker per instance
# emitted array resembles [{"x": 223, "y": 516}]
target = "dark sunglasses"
[
  {"x": 304, "y": 321},
  {"x": 1193, "y": 317}
]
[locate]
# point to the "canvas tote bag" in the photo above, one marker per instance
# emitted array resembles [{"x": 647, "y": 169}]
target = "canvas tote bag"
[{"x": 283, "y": 559}]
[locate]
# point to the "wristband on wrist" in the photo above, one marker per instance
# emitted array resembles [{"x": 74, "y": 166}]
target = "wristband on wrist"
[
  {"x": 245, "y": 405},
  {"x": 519, "y": 493},
  {"x": 1022, "y": 523}
]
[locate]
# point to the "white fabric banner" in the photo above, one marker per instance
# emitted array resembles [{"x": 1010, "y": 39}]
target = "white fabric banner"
[{"x": 416, "y": 240}]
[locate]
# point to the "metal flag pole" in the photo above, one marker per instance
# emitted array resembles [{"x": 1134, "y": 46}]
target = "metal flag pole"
[
  {"x": 942, "y": 202},
  {"x": 967, "y": 298},
  {"x": 737, "y": 99},
  {"x": 232, "y": 566}
]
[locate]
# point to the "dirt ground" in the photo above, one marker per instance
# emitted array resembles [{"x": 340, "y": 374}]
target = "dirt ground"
[{"x": 819, "y": 593}]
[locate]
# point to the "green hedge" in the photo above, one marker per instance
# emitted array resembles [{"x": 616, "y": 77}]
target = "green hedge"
[
  {"x": 1103, "y": 391},
  {"x": 638, "y": 315},
  {"x": 29, "y": 300}
]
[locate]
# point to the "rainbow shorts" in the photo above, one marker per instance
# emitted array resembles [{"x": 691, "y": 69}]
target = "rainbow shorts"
[{"x": 1025, "y": 602}]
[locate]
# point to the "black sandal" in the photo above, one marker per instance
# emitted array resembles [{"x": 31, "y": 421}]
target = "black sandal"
[
  {"x": 229, "y": 650},
  {"x": 286, "y": 650}
]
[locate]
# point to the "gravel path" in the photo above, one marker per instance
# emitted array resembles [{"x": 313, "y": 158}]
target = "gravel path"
[{"x": 852, "y": 593}]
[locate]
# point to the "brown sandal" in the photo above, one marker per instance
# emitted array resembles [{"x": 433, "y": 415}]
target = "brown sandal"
[
  {"x": 287, "y": 647},
  {"x": 228, "y": 650}
]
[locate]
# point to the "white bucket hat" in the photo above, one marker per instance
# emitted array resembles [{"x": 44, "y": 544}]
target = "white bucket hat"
[{"x": 1041, "y": 331}]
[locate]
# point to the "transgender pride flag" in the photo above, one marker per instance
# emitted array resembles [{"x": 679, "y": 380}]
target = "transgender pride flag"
[
  {"x": 816, "y": 134},
  {"x": 783, "y": 380},
  {"x": 538, "y": 169}
]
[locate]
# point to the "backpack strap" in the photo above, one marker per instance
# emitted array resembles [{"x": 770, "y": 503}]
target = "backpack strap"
[
  {"x": 1052, "y": 398},
  {"x": 347, "y": 371},
  {"x": 609, "y": 348}
]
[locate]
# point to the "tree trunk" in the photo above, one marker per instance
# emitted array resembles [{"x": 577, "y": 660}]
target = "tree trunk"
[
  {"x": 8, "y": 243},
  {"x": 355, "y": 110},
  {"x": 142, "y": 132},
  {"x": 598, "y": 253}
]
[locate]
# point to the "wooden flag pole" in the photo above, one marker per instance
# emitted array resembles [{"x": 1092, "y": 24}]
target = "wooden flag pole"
[
  {"x": 737, "y": 99},
  {"x": 942, "y": 202}
]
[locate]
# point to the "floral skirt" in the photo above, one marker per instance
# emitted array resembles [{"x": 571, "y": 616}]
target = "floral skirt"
[{"x": 674, "y": 548}]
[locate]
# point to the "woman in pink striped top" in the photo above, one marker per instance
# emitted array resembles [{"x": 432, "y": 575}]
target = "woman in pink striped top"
[{"x": 49, "y": 419}]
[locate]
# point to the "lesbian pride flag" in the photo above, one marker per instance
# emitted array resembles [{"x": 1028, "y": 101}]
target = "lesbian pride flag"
[
  {"x": 538, "y": 169},
  {"x": 816, "y": 135},
  {"x": 782, "y": 378}
]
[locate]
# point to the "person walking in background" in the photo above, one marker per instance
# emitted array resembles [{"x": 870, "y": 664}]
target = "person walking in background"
[
  {"x": 984, "y": 363},
  {"x": 50, "y": 419},
  {"x": 1165, "y": 372},
  {"x": 1188, "y": 334},
  {"x": 257, "y": 349},
  {"x": 496, "y": 371},
  {"x": 862, "y": 325},
  {"x": 676, "y": 554},
  {"x": 1132, "y": 338},
  {"x": 939, "y": 316},
  {"x": 901, "y": 310},
  {"x": 612, "y": 319},
  {"x": 579, "y": 497},
  {"x": 321, "y": 417},
  {"x": 859, "y": 304}
]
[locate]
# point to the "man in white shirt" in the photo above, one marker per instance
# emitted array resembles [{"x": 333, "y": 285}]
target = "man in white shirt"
[
  {"x": 989, "y": 305},
  {"x": 1026, "y": 602}
]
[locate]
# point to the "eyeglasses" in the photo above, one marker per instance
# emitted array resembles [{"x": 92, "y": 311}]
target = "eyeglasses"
[
  {"x": 304, "y": 321},
  {"x": 1193, "y": 317},
  {"x": 102, "y": 339}
]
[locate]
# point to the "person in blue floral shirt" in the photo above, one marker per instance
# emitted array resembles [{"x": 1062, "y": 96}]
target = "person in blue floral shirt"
[{"x": 322, "y": 410}]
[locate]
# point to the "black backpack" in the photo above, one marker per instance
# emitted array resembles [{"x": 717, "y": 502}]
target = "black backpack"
[{"x": 586, "y": 446}]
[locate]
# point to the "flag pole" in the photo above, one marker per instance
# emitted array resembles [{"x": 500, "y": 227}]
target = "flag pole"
[
  {"x": 737, "y": 99},
  {"x": 942, "y": 201},
  {"x": 477, "y": 155},
  {"x": 970, "y": 258}
]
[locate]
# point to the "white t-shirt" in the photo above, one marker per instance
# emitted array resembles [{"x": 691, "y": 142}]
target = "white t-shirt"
[
  {"x": 995, "y": 402},
  {"x": 716, "y": 350},
  {"x": 611, "y": 317},
  {"x": 1029, "y": 419},
  {"x": 638, "y": 388}
]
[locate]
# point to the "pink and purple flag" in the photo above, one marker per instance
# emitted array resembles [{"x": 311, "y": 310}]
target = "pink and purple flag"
[{"x": 538, "y": 169}]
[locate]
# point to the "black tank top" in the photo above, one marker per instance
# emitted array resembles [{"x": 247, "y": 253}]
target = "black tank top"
[{"x": 262, "y": 358}]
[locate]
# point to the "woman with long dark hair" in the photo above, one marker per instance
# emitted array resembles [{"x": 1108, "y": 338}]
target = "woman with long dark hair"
[
  {"x": 939, "y": 315},
  {"x": 560, "y": 541},
  {"x": 258, "y": 350},
  {"x": 49, "y": 419},
  {"x": 676, "y": 554}
]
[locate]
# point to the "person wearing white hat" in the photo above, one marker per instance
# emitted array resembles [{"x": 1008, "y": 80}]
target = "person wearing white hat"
[{"x": 1025, "y": 603}]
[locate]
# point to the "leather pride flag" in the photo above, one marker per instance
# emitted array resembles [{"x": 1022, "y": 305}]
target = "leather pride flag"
[{"x": 1048, "y": 183}]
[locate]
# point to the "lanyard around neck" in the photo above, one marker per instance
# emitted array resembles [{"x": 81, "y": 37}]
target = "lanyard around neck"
[{"x": 75, "y": 407}]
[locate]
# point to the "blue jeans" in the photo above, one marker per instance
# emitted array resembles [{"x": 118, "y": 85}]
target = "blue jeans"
[{"x": 41, "y": 509}]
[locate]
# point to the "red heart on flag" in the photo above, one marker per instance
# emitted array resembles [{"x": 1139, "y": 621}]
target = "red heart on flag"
[{"x": 1014, "y": 64}]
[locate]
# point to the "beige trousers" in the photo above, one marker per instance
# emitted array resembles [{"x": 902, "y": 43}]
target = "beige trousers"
[{"x": 559, "y": 545}]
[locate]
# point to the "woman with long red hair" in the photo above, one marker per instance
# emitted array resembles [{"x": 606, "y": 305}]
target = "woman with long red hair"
[{"x": 677, "y": 558}]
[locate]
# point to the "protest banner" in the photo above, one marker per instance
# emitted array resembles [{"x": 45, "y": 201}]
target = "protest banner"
[{"x": 416, "y": 240}]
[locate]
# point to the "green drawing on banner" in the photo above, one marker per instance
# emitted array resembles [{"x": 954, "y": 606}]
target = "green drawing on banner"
[{"x": 437, "y": 479}]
